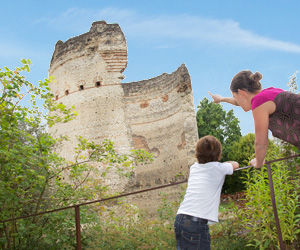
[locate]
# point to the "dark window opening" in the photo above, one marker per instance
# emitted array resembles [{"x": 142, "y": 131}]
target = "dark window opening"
[
  {"x": 98, "y": 84},
  {"x": 81, "y": 87},
  {"x": 67, "y": 92}
]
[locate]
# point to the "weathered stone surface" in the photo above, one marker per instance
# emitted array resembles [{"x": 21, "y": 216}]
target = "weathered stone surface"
[{"x": 156, "y": 114}]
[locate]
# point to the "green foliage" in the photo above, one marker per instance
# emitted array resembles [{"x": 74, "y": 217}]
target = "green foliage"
[
  {"x": 258, "y": 217},
  {"x": 144, "y": 234},
  {"x": 126, "y": 227},
  {"x": 229, "y": 235},
  {"x": 167, "y": 208},
  {"x": 243, "y": 151},
  {"x": 212, "y": 119},
  {"x": 34, "y": 178}
]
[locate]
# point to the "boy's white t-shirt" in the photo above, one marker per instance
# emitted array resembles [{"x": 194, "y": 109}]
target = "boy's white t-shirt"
[{"x": 203, "y": 192}]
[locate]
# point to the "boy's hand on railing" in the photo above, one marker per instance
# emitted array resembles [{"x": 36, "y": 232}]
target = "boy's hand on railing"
[{"x": 234, "y": 164}]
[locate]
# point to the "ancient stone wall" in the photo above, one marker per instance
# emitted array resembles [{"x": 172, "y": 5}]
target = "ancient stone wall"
[{"x": 156, "y": 114}]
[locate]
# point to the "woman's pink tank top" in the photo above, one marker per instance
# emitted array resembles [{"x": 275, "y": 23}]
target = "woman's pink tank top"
[{"x": 265, "y": 95}]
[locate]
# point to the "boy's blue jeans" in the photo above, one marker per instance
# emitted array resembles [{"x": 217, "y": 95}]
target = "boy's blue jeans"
[{"x": 191, "y": 234}]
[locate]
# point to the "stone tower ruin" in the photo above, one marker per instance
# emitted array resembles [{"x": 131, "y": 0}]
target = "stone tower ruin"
[{"x": 156, "y": 114}]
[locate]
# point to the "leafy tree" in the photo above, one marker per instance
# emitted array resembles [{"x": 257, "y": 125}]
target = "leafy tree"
[
  {"x": 212, "y": 119},
  {"x": 32, "y": 173}
]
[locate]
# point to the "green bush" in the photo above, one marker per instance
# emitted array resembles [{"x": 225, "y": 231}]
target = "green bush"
[
  {"x": 143, "y": 235},
  {"x": 258, "y": 217},
  {"x": 126, "y": 227},
  {"x": 229, "y": 235}
]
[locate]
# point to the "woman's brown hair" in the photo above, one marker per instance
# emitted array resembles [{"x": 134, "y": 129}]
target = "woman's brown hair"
[
  {"x": 246, "y": 80},
  {"x": 208, "y": 149}
]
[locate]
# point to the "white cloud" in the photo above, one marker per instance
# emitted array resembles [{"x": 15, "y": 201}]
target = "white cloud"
[{"x": 172, "y": 28}]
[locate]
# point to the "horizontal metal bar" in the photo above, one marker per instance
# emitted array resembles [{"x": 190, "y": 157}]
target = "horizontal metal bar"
[
  {"x": 269, "y": 162},
  {"x": 250, "y": 166},
  {"x": 95, "y": 201}
]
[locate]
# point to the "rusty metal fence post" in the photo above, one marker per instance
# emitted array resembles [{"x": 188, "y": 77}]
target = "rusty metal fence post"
[
  {"x": 274, "y": 207},
  {"x": 78, "y": 229}
]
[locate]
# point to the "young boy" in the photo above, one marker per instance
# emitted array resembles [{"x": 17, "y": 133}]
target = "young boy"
[{"x": 202, "y": 198}]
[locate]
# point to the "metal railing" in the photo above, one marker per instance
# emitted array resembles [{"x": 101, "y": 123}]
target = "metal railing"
[{"x": 77, "y": 207}]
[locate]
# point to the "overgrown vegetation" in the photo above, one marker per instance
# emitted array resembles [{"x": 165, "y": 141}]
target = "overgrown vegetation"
[
  {"x": 158, "y": 234},
  {"x": 33, "y": 175},
  {"x": 258, "y": 217},
  {"x": 243, "y": 151}
]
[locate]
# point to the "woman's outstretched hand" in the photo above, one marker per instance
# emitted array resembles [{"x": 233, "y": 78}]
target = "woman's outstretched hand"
[{"x": 216, "y": 98}]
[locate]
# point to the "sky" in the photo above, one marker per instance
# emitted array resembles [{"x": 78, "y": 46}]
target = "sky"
[{"x": 215, "y": 39}]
